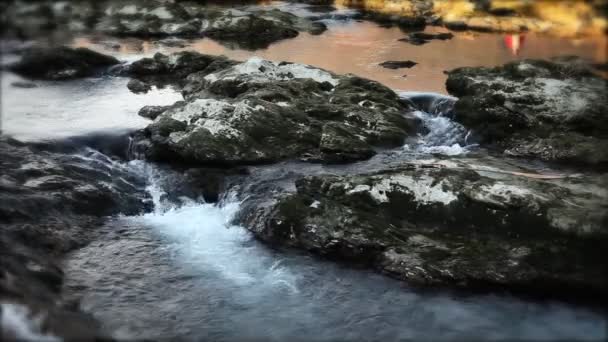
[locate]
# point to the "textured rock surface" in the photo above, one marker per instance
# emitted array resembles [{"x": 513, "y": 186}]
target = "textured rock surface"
[
  {"x": 259, "y": 111},
  {"x": 246, "y": 27},
  {"x": 50, "y": 204},
  {"x": 61, "y": 63},
  {"x": 554, "y": 111},
  {"x": 449, "y": 223},
  {"x": 138, "y": 86},
  {"x": 421, "y": 38},
  {"x": 398, "y": 64}
]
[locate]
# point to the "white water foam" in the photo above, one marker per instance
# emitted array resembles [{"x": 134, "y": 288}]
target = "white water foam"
[
  {"x": 202, "y": 235},
  {"x": 16, "y": 322},
  {"x": 445, "y": 136}
]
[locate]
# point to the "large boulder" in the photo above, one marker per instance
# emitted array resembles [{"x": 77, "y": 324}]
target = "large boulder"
[
  {"x": 260, "y": 111},
  {"x": 554, "y": 111},
  {"x": 61, "y": 63},
  {"x": 447, "y": 223},
  {"x": 174, "y": 68},
  {"x": 257, "y": 29}
]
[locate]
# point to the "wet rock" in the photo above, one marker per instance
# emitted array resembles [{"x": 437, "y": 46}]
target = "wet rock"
[
  {"x": 552, "y": 111},
  {"x": 449, "y": 223},
  {"x": 147, "y": 18},
  {"x": 258, "y": 29},
  {"x": 397, "y": 64},
  {"x": 174, "y": 68},
  {"x": 246, "y": 26},
  {"x": 152, "y": 112},
  {"x": 137, "y": 86},
  {"x": 24, "y": 85},
  {"x": 50, "y": 204},
  {"x": 249, "y": 31},
  {"x": 420, "y": 38},
  {"x": 39, "y": 184},
  {"x": 259, "y": 112},
  {"x": 61, "y": 63}
]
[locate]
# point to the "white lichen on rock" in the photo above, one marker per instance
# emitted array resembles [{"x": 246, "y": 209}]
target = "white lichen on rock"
[
  {"x": 424, "y": 189},
  {"x": 259, "y": 70}
]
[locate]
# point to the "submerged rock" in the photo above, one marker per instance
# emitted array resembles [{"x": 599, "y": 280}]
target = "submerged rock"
[
  {"x": 24, "y": 85},
  {"x": 445, "y": 223},
  {"x": 398, "y": 64},
  {"x": 420, "y": 38},
  {"x": 174, "y": 68},
  {"x": 259, "y": 112},
  {"x": 138, "y": 86},
  {"x": 554, "y": 111},
  {"x": 61, "y": 63},
  {"x": 152, "y": 112}
]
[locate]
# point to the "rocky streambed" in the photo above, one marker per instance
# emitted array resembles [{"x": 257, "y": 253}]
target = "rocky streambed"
[{"x": 275, "y": 199}]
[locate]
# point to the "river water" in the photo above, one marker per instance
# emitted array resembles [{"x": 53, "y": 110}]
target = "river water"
[{"x": 185, "y": 271}]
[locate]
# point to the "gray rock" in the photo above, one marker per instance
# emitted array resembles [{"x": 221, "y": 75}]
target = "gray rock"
[
  {"x": 243, "y": 26},
  {"x": 446, "y": 223},
  {"x": 152, "y": 112},
  {"x": 24, "y": 85},
  {"x": 138, "y": 86},
  {"x": 50, "y": 204},
  {"x": 61, "y": 63},
  {"x": 420, "y": 38},
  {"x": 554, "y": 111},
  {"x": 259, "y": 111},
  {"x": 398, "y": 64}
]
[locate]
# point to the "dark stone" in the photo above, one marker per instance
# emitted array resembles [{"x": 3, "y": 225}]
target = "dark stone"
[
  {"x": 152, "y": 112},
  {"x": 24, "y": 85},
  {"x": 61, "y": 63},
  {"x": 137, "y": 86},
  {"x": 252, "y": 32},
  {"x": 50, "y": 204},
  {"x": 420, "y": 38},
  {"x": 444, "y": 224},
  {"x": 397, "y": 64},
  {"x": 554, "y": 111},
  {"x": 235, "y": 118},
  {"x": 456, "y": 25}
]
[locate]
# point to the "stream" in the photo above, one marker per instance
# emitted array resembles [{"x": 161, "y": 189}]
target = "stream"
[{"x": 185, "y": 271}]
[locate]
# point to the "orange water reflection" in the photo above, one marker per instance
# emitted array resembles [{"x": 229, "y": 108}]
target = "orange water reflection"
[{"x": 359, "y": 47}]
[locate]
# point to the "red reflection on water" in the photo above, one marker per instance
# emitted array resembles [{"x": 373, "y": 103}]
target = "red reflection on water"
[{"x": 514, "y": 42}]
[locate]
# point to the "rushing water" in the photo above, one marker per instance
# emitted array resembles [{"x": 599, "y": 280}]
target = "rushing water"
[{"x": 185, "y": 271}]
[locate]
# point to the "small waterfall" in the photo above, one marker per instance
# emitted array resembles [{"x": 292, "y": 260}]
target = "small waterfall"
[
  {"x": 203, "y": 234},
  {"x": 444, "y": 135}
]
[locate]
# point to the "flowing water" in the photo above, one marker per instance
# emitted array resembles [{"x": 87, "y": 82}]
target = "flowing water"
[{"x": 184, "y": 270}]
